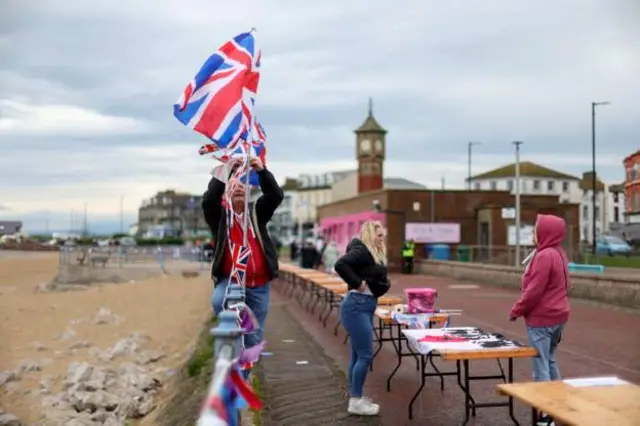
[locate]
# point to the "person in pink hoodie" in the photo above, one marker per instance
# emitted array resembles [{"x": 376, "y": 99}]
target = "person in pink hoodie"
[{"x": 544, "y": 301}]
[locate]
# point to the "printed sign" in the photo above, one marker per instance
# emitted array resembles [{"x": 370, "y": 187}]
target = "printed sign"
[
  {"x": 526, "y": 235},
  {"x": 433, "y": 232}
]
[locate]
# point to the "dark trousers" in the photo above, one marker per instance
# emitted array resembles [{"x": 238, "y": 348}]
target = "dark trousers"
[{"x": 407, "y": 265}]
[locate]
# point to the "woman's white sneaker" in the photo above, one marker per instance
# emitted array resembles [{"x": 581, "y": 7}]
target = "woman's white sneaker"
[{"x": 363, "y": 407}]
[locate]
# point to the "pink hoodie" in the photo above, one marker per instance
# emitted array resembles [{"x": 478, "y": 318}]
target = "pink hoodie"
[{"x": 544, "y": 300}]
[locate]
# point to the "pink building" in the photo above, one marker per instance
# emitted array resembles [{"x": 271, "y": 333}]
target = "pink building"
[{"x": 342, "y": 229}]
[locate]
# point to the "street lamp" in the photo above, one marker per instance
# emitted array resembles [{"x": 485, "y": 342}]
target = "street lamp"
[
  {"x": 593, "y": 172},
  {"x": 517, "y": 178},
  {"x": 469, "y": 147}
]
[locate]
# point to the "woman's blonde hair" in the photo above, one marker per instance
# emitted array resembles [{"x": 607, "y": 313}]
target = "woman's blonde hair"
[{"x": 368, "y": 236}]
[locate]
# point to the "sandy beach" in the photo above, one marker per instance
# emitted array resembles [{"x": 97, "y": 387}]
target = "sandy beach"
[{"x": 105, "y": 326}]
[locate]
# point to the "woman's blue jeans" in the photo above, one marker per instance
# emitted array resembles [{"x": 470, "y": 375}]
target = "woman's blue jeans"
[{"x": 356, "y": 315}]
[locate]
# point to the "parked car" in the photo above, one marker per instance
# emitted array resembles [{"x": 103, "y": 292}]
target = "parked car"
[{"x": 612, "y": 245}]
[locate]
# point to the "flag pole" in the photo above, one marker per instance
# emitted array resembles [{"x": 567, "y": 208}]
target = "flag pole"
[
  {"x": 249, "y": 142},
  {"x": 247, "y": 183}
]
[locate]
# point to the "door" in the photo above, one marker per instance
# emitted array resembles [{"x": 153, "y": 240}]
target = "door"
[{"x": 484, "y": 254}]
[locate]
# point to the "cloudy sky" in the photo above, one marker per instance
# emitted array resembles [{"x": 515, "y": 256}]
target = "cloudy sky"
[{"x": 87, "y": 88}]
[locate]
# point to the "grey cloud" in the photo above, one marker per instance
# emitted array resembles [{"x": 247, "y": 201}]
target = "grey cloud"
[{"x": 440, "y": 74}]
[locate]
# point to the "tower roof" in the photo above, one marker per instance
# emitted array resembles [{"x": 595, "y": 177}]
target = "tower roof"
[{"x": 370, "y": 124}]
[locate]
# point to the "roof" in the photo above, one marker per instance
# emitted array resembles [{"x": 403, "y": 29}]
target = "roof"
[
  {"x": 617, "y": 187},
  {"x": 631, "y": 156},
  {"x": 290, "y": 184},
  {"x": 527, "y": 169},
  {"x": 402, "y": 183},
  {"x": 370, "y": 124},
  {"x": 586, "y": 183}
]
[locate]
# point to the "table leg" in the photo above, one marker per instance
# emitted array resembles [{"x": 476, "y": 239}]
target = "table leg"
[
  {"x": 510, "y": 379},
  {"x": 423, "y": 363},
  {"x": 438, "y": 372},
  {"x": 468, "y": 401},
  {"x": 318, "y": 295},
  {"x": 323, "y": 304},
  {"x": 332, "y": 305},
  {"x": 397, "y": 346}
]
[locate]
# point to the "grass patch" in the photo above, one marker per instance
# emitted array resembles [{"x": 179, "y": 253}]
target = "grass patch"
[
  {"x": 256, "y": 415},
  {"x": 203, "y": 355},
  {"x": 618, "y": 261}
]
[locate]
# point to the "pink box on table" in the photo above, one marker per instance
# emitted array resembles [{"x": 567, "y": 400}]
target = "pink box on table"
[{"x": 420, "y": 300}]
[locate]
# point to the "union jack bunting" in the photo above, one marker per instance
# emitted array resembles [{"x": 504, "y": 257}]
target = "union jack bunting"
[
  {"x": 229, "y": 157},
  {"x": 240, "y": 255},
  {"x": 259, "y": 139},
  {"x": 218, "y": 102}
]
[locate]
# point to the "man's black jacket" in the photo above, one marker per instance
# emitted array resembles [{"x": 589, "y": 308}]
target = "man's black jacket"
[{"x": 260, "y": 214}]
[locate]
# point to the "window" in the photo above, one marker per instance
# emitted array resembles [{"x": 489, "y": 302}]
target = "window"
[
  {"x": 536, "y": 185},
  {"x": 597, "y": 213},
  {"x": 616, "y": 214},
  {"x": 551, "y": 185},
  {"x": 510, "y": 185},
  {"x": 615, "y": 197},
  {"x": 565, "y": 186},
  {"x": 585, "y": 212},
  {"x": 494, "y": 186},
  {"x": 476, "y": 186}
]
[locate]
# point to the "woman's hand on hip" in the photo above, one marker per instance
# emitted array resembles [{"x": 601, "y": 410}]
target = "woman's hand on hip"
[{"x": 363, "y": 287}]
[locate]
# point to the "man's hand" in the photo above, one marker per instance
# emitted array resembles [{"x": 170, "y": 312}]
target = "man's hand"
[{"x": 256, "y": 164}]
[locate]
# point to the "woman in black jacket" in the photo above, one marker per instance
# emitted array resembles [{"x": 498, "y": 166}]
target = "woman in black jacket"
[{"x": 364, "y": 268}]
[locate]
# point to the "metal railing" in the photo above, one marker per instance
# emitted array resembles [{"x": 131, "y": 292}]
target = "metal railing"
[{"x": 227, "y": 348}]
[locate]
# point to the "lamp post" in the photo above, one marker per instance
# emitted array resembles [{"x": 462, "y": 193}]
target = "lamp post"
[
  {"x": 517, "y": 178},
  {"x": 593, "y": 172},
  {"x": 469, "y": 148}
]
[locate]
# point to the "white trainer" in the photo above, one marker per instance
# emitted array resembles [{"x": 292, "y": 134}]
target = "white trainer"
[{"x": 363, "y": 407}]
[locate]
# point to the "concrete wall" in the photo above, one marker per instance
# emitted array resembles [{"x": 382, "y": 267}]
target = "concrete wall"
[{"x": 616, "y": 290}]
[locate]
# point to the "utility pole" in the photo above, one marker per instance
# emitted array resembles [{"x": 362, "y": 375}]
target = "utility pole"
[
  {"x": 71, "y": 220},
  {"x": 442, "y": 181},
  {"x": 593, "y": 173},
  {"x": 469, "y": 148},
  {"x": 518, "y": 225}
]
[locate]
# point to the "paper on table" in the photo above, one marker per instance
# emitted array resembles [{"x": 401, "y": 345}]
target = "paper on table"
[{"x": 595, "y": 381}]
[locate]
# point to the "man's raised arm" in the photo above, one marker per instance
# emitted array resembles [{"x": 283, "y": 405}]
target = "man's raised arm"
[
  {"x": 272, "y": 194},
  {"x": 212, "y": 204}
]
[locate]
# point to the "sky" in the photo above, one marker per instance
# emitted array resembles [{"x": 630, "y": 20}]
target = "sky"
[{"x": 87, "y": 91}]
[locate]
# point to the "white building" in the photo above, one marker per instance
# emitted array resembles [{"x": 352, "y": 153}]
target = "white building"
[
  {"x": 539, "y": 180},
  {"x": 302, "y": 196}
]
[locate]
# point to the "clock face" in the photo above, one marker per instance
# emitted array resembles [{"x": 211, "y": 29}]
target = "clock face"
[
  {"x": 365, "y": 145},
  {"x": 378, "y": 146}
]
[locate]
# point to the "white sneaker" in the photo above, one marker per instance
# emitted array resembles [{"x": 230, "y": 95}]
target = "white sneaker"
[{"x": 363, "y": 407}]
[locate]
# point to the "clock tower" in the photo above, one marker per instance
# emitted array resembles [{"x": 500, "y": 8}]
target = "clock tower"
[{"x": 370, "y": 148}]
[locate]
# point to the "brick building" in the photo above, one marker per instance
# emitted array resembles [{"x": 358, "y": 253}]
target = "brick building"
[
  {"x": 479, "y": 213},
  {"x": 632, "y": 187}
]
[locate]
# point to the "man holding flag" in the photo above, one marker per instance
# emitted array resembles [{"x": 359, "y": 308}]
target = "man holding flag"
[{"x": 262, "y": 263}]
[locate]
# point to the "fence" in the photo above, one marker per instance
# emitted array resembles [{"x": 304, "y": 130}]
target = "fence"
[
  {"x": 228, "y": 346},
  {"x": 128, "y": 255}
]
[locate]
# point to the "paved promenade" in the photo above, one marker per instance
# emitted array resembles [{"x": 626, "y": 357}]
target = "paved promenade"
[{"x": 598, "y": 341}]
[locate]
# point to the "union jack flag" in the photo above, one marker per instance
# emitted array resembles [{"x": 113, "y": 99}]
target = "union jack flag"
[
  {"x": 218, "y": 102},
  {"x": 240, "y": 256}
]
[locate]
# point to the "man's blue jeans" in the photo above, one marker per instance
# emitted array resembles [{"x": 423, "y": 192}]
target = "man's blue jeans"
[
  {"x": 256, "y": 298},
  {"x": 356, "y": 315},
  {"x": 545, "y": 341}
]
